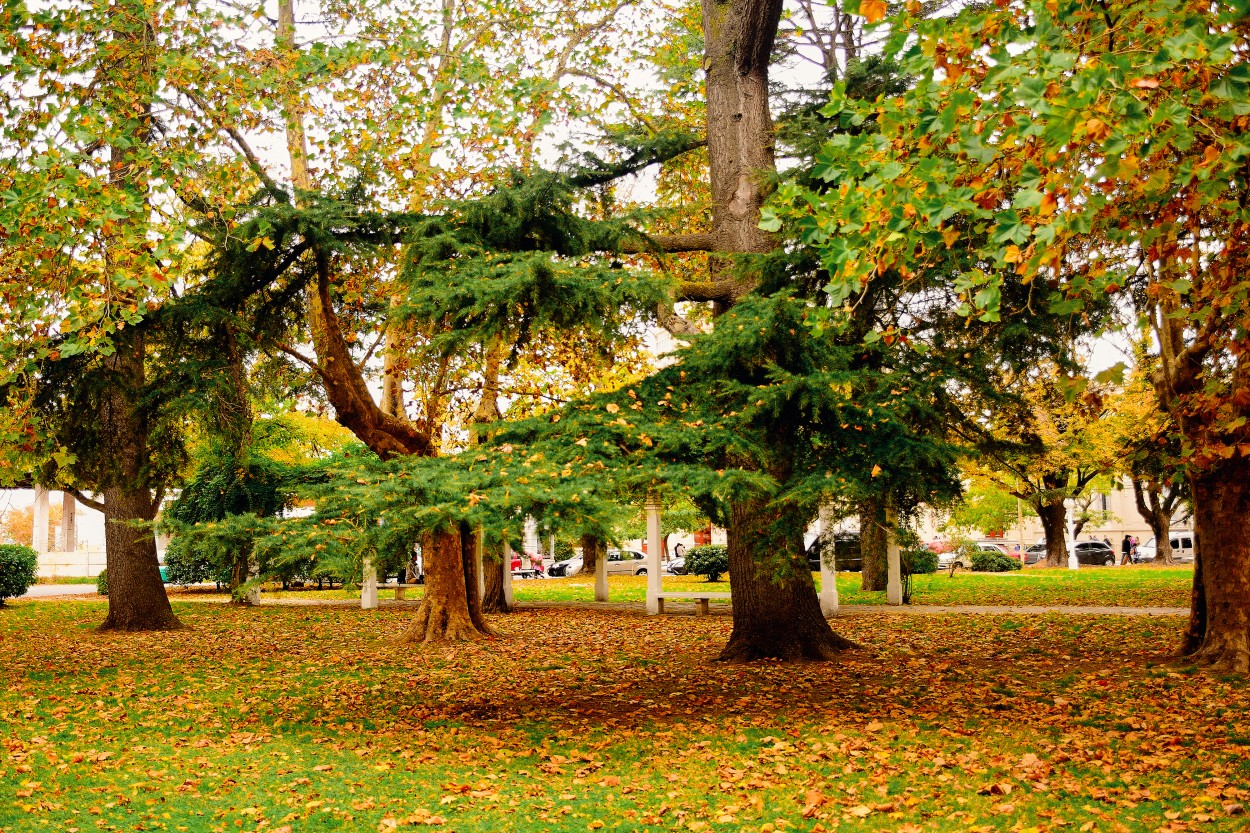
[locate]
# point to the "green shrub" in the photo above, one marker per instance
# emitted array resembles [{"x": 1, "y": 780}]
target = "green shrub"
[
  {"x": 102, "y": 582},
  {"x": 920, "y": 560},
  {"x": 564, "y": 549},
  {"x": 994, "y": 562},
  {"x": 710, "y": 560},
  {"x": 18, "y": 566},
  {"x": 186, "y": 563}
]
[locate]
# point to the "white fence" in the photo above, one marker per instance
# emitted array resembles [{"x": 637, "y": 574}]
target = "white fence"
[{"x": 79, "y": 563}]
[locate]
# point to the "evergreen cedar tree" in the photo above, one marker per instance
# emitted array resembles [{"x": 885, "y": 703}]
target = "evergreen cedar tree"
[{"x": 1094, "y": 151}]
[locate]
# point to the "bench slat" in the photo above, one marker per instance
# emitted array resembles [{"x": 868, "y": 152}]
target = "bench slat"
[{"x": 693, "y": 595}]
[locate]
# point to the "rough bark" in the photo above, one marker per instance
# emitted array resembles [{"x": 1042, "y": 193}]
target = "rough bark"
[
  {"x": 137, "y": 599},
  {"x": 1054, "y": 518},
  {"x": 1156, "y": 511},
  {"x": 468, "y": 559},
  {"x": 773, "y": 619},
  {"x": 592, "y": 551},
  {"x": 493, "y": 566},
  {"x": 444, "y": 614},
  {"x": 1221, "y": 506},
  {"x": 1196, "y": 627},
  {"x": 872, "y": 545}
]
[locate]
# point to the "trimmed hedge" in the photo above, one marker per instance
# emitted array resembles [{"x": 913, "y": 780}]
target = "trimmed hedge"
[
  {"x": 994, "y": 562},
  {"x": 18, "y": 568},
  {"x": 102, "y": 582},
  {"x": 920, "y": 561},
  {"x": 710, "y": 560}
]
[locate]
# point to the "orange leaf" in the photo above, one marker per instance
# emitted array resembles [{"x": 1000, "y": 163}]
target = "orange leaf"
[{"x": 873, "y": 10}]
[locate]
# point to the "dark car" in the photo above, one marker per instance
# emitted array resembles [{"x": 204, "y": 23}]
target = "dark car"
[
  {"x": 1095, "y": 552},
  {"x": 846, "y": 553}
]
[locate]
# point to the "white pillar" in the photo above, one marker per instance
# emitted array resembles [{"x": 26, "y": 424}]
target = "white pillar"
[
  {"x": 69, "y": 522},
  {"x": 828, "y": 573},
  {"x": 1073, "y": 564},
  {"x": 368, "y": 585},
  {"x": 479, "y": 555},
  {"x": 507, "y": 574},
  {"x": 653, "y": 554},
  {"x": 39, "y": 529},
  {"x": 894, "y": 581},
  {"x": 601, "y": 575}
]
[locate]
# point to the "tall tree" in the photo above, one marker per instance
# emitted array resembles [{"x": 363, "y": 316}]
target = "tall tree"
[{"x": 1093, "y": 149}]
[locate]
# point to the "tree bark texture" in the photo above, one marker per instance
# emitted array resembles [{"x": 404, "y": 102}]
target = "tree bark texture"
[
  {"x": 1221, "y": 506},
  {"x": 493, "y": 565},
  {"x": 1196, "y": 627},
  {"x": 738, "y": 37},
  {"x": 772, "y": 619},
  {"x": 1157, "y": 513},
  {"x": 872, "y": 545},
  {"x": 592, "y": 551},
  {"x": 444, "y": 614},
  {"x": 1054, "y": 518},
  {"x": 137, "y": 599}
]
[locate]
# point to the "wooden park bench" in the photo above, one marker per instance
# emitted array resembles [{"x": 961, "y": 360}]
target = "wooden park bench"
[{"x": 700, "y": 598}]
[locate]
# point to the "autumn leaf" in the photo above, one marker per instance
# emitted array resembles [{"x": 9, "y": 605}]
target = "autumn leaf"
[{"x": 873, "y": 10}]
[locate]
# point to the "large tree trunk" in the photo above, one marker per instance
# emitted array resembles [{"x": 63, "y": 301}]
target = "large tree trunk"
[
  {"x": 1221, "y": 506},
  {"x": 444, "y": 613},
  {"x": 1196, "y": 627},
  {"x": 772, "y": 620},
  {"x": 137, "y": 599},
  {"x": 592, "y": 551},
  {"x": 1157, "y": 514},
  {"x": 738, "y": 40},
  {"x": 1054, "y": 517},
  {"x": 472, "y": 596},
  {"x": 872, "y": 545},
  {"x": 493, "y": 565}
]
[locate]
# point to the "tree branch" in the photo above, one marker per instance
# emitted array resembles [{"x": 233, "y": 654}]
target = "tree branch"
[
  {"x": 84, "y": 500},
  {"x": 671, "y": 243}
]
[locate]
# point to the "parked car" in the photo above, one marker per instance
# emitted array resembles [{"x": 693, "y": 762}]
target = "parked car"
[
  {"x": 1035, "y": 553},
  {"x": 626, "y": 562},
  {"x": 1095, "y": 552},
  {"x": 567, "y": 567},
  {"x": 1182, "y": 548},
  {"x": 676, "y": 565},
  {"x": 957, "y": 558},
  {"x": 847, "y": 556}
]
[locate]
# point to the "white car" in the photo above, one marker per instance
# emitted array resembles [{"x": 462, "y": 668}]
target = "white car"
[
  {"x": 955, "y": 557},
  {"x": 1182, "y": 548}
]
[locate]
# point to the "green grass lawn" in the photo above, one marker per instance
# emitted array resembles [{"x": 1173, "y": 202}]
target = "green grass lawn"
[
  {"x": 1139, "y": 586},
  {"x": 316, "y": 719}
]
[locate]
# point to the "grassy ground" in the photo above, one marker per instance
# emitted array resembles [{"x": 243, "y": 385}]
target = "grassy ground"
[
  {"x": 303, "y": 719},
  {"x": 66, "y": 580},
  {"x": 1138, "y": 586}
]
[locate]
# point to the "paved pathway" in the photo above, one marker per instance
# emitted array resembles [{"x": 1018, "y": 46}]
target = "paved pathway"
[
  {"x": 41, "y": 590},
  {"x": 45, "y": 590}
]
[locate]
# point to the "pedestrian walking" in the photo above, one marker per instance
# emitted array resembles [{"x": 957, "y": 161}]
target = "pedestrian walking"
[{"x": 1126, "y": 550}]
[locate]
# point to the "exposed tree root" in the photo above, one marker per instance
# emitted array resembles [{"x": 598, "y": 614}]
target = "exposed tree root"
[
  {"x": 435, "y": 623},
  {"x": 788, "y": 647}
]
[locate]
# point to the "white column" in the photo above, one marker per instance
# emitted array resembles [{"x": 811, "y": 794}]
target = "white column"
[
  {"x": 653, "y": 554},
  {"x": 894, "y": 581},
  {"x": 368, "y": 585},
  {"x": 69, "y": 522},
  {"x": 828, "y": 575},
  {"x": 39, "y": 530},
  {"x": 601, "y": 576},
  {"x": 1073, "y": 564},
  {"x": 479, "y": 554},
  {"x": 507, "y": 574}
]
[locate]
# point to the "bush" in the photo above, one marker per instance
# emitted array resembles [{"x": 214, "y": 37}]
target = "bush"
[
  {"x": 710, "y": 560},
  {"x": 102, "y": 582},
  {"x": 564, "y": 550},
  {"x": 18, "y": 566},
  {"x": 920, "y": 560},
  {"x": 994, "y": 562},
  {"x": 186, "y": 563}
]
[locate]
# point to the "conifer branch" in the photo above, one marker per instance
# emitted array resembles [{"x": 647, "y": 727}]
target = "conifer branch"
[{"x": 671, "y": 243}]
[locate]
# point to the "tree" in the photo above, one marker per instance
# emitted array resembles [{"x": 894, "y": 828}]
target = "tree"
[
  {"x": 987, "y": 508},
  {"x": 1093, "y": 150}
]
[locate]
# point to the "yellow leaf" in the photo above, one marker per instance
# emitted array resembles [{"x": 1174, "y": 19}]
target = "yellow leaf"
[{"x": 876, "y": 470}]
